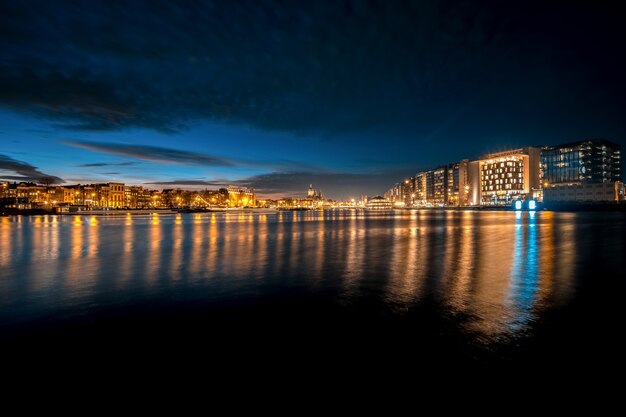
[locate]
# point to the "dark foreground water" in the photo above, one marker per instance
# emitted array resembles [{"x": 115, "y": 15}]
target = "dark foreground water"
[{"x": 503, "y": 292}]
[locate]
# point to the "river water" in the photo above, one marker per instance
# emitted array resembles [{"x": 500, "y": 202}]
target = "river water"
[{"x": 510, "y": 291}]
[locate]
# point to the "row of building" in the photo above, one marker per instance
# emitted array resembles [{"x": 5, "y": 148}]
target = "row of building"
[
  {"x": 585, "y": 171},
  {"x": 25, "y": 195}
]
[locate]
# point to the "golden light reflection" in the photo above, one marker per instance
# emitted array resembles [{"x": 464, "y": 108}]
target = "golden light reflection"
[
  {"x": 547, "y": 256},
  {"x": 176, "y": 261},
  {"x": 260, "y": 245},
  {"x": 77, "y": 238},
  {"x": 213, "y": 251},
  {"x": 197, "y": 235},
  {"x": 461, "y": 283},
  {"x": 406, "y": 275},
  {"x": 566, "y": 261},
  {"x": 94, "y": 237},
  {"x": 75, "y": 267},
  {"x": 127, "y": 256},
  {"x": 7, "y": 240},
  {"x": 153, "y": 260},
  {"x": 294, "y": 254},
  {"x": 355, "y": 258},
  {"x": 495, "y": 243},
  {"x": 497, "y": 270}
]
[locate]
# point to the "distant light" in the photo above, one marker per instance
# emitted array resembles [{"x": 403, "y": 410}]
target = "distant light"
[
  {"x": 532, "y": 204},
  {"x": 518, "y": 205}
]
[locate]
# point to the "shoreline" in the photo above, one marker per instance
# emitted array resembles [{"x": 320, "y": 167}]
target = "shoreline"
[{"x": 148, "y": 212}]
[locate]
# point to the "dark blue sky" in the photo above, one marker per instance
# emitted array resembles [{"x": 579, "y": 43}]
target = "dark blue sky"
[{"x": 349, "y": 95}]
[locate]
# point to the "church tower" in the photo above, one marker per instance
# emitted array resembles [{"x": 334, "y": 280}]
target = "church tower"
[{"x": 311, "y": 192}]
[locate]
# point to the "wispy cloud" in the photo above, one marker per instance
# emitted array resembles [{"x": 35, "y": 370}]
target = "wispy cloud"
[
  {"x": 153, "y": 153},
  {"x": 176, "y": 156},
  {"x": 108, "y": 164},
  {"x": 24, "y": 171}
]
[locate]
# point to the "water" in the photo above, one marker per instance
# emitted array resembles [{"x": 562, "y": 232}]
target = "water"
[{"x": 487, "y": 290}]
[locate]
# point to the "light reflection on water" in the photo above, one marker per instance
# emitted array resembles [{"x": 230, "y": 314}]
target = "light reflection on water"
[{"x": 494, "y": 273}]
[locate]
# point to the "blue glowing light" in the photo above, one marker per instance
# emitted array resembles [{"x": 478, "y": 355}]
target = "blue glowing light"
[
  {"x": 532, "y": 205},
  {"x": 518, "y": 205}
]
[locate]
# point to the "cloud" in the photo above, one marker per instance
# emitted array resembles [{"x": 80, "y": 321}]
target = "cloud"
[
  {"x": 324, "y": 66},
  {"x": 169, "y": 155},
  {"x": 25, "y": 171},
  {"x": 107, "y": 164},
  {"x": 152, "y": 153}
]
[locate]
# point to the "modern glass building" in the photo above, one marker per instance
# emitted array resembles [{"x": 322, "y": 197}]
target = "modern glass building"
[{"x": 594, "y": 160}]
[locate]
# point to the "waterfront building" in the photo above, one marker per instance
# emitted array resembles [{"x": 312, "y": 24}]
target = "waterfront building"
[
  {"x": 502, "y": 177},
  {"x": 379, "y": 203},
  {"x": 408, "y": 192},
  {"x": 421, "y": 189},
  {"x": 64, "y": 195},
  {"x": 111, "y": 194},
  {"x": 457, "y": 193},
  {"x": 394, "y": 194},
  {"x": 439, "y": 186},
  {"x": 116, "y": 194},
  {"x": 582, "y": 172},
  {"x": 241, "y": 196},
  {"x": 24, "y": 195},
  {"x": 136, "y": 197},
  {"x": 585, "y": 193},
  {"x": 588, "y": 161}
]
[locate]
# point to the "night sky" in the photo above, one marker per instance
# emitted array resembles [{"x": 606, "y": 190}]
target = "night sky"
[{"x": 351, "y": 96}]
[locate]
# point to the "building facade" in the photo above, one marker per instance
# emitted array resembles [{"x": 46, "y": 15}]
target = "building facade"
[
  {"x": 502, "y": 177},
  {"x": 585, "y": 193},
  {"x": 379, "y": 203},
  {"x": 241, "y": 196},
  {"x": 592, "y": 161}
]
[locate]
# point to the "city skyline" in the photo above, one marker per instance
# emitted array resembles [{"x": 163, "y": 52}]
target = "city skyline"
[{"x": 115, "y": 92}]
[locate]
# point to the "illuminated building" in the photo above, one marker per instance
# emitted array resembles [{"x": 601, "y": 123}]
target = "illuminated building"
[
  {"x": 595, "y": 160},
  {"x": 111, "y": 194},
  {"x": 444, "y": 185},
  {"x": 499, "y": 178},
  {"x": 241, "y": 196},
  {"x": 116, "y": 194},
  {"x": 408, "y": 188},
  {"x": 457, "y": 192},
  {"x": 394, "y": 194},
  {"x": 313, "y": 194},
  {"x": 582, "y": 172},
  {"x": 379, "y": 203},
  {"x": 64, "y": 195},
  {"x": 420, "y": 189},
  {"x": 439, "y": 185},
  {"x": 135, "y": 196}
]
